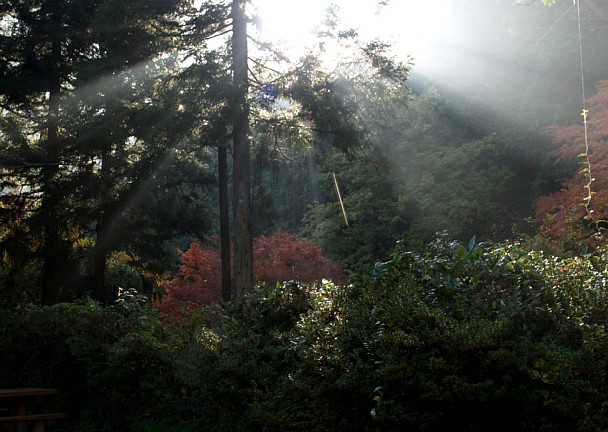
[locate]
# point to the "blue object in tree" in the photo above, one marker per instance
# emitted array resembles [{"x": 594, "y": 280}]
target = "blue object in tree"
[{"x": 269, "y": 93}]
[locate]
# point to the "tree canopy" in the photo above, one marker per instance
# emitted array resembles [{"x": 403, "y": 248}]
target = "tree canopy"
[{"x": 110, "y": 140}]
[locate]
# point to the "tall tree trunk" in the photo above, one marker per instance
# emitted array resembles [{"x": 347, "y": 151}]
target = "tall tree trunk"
[
  {"x": 224, "y": 223},
  {"x": 241, "y": 175},
  {"x": 100, "y": 254},
  {"x": 102, "y": 246},
  {"x": 51, "y": 252}
]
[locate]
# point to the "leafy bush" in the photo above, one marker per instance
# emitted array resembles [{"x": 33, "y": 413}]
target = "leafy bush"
[
  {"x": 461, "y": 337},
  {"x": 487, "y": 338},
  {"x": 231, "y": 359},
  {"x": 471, "y": 337},
  {"x": 111, "y": 365}
]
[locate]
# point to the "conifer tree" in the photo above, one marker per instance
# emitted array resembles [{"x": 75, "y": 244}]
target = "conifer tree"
[{"x": 91, "y": 126}]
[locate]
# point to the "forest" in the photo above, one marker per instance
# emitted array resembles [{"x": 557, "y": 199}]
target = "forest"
[{"x": 204, "y": 229}]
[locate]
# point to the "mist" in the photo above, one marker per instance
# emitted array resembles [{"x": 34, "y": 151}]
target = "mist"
[{"x": 518, "y": 62}]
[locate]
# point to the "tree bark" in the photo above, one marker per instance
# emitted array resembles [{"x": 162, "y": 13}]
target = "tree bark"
[
  {"x": 241, "y": 175},
  {"x": 103, "y": 229},
  {"x": 224, "y": 224},
  {"x": 100, "y": 254},
  {"x": 51, "y": 251}
]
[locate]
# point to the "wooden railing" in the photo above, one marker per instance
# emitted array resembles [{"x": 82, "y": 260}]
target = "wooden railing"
[{"x": 21, "y": 406}]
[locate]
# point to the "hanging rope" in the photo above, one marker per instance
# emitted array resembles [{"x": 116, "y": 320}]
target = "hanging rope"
[
  {"x": 580, "y": 50},
  {"x": 586, "y": 171}
]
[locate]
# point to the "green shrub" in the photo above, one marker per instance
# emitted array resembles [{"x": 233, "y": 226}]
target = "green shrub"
[
  {"x": 470, "y": 337},
  {"x": 487, "y": 338},
  {"x": 111, "y": 365}
]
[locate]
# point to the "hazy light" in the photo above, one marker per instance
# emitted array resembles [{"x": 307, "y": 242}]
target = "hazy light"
[
  {"x": 289, "y": 22},
  {"x": 413, "y": 27}
]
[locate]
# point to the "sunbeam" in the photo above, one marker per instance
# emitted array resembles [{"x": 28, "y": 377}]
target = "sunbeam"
[{"x": 413, "y": 27}]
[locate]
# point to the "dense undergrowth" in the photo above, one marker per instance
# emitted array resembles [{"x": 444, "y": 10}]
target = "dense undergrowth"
[{"x": 459, "y": 337}]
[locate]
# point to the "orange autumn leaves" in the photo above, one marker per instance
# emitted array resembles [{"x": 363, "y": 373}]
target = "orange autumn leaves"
[{"x": 278, "y": 258}]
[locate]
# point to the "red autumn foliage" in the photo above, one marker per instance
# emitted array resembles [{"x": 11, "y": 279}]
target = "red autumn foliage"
[
  {"x": 197, "y": 282},
  {"x": 284, "y": 257},
  {"x": 280, "y": 257},
  {"x": 561, "y": 209}
]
